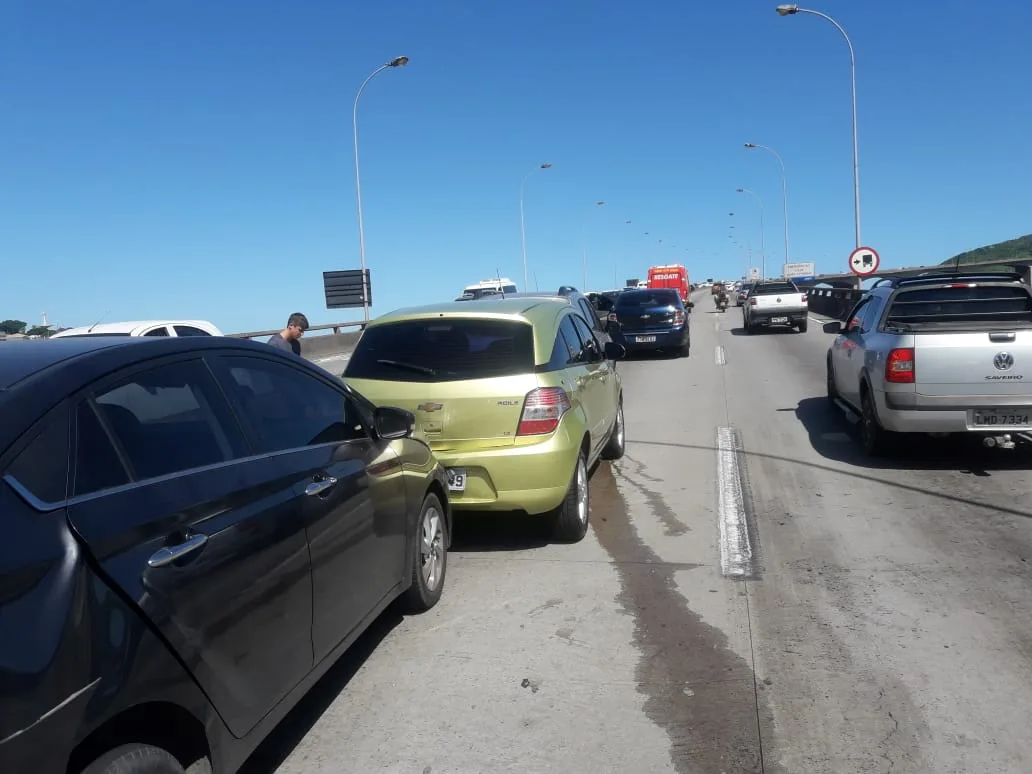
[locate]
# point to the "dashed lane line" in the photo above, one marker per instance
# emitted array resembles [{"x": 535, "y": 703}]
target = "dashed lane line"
[
  {"x": 720, "y": 356},
  {"x": 736, "y": 554}
]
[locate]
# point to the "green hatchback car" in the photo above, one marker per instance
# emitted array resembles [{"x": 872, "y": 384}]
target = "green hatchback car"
[{"x": 517, "y": 398}]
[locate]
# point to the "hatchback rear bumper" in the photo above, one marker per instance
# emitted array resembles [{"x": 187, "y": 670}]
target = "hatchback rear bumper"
[{"x": 665, "y": 338}]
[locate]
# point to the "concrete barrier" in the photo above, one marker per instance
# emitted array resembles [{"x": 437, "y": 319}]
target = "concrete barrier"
[
  {"x": 832, "y": 302},
  {"x": 329, "y": 345}
]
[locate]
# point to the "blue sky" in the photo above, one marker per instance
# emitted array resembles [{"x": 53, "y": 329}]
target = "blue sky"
[{"x": 189, "y": 158}]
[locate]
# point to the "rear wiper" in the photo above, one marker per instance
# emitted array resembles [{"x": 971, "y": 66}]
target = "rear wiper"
[{"x": 408, "y": 366}]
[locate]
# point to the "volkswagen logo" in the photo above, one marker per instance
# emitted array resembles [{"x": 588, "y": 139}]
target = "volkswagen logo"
[{"x": 1003, "y": 361}]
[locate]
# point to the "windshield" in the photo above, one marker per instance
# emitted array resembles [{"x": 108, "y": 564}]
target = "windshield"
[
  {"x": 645, "y": 298},
  {"x": 443, "y": 350}
]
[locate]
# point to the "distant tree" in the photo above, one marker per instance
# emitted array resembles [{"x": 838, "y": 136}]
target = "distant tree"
[
  {"x": 1019, "y": 248},
  {"x": 40, "y": 330},
  {"x": 12, "y": 326}
]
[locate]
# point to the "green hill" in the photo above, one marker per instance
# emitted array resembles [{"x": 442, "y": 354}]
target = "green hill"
[{"x": 1012, "y": 248}]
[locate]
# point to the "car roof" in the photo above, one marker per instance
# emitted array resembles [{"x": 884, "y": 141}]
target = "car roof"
[
  {"x": 37, "y": 375},
  {"x": 127, "y": 327}
]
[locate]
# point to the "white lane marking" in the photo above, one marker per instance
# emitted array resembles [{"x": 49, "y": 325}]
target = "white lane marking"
[
  {"x": 736, "y": 557},
  {"x": 719, "y": 356}
]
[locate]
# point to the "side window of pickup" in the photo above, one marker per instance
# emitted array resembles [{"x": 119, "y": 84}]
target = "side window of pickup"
[
  {"x": 855, "y": 319},
  {"x": 871, "y": 313}
]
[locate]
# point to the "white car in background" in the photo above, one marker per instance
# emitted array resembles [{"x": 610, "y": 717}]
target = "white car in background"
[{"x": 144, "y": 328}]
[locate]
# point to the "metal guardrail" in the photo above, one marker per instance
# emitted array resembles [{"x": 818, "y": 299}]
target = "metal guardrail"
[{"x": 335, "y": 327}]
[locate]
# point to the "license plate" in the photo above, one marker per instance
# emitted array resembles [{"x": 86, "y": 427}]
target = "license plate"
[
  {"x": 457, "y": 479},
  {"x": 644, "y": 339},
  {"x": 1001, "y": 418},
  {"x": 779, "y": 319}
]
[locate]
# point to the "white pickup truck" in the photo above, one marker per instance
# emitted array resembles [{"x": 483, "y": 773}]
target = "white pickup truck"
[{"x": 778, "y": 302}]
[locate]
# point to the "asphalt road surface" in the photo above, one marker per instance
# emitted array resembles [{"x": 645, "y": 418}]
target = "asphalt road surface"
[{"x": 754, "y": 596}]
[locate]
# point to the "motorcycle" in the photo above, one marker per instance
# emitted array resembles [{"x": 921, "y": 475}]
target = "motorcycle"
[{"x": 722, "y": 302}]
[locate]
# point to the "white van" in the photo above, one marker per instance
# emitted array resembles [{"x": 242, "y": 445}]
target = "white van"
[{"x": 488, "y": 287}]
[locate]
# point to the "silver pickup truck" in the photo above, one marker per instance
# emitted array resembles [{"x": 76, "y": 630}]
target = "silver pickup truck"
[
  {"x": 775, "y": 303},
  {"x": 940, "y": 353}
]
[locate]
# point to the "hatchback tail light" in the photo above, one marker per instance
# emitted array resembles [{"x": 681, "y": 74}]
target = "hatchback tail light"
[
  {"x": 542, "y": 410},
  {"x": 899, "y": 366},
  {"x": 752, "y": 302},
  {"x": 678, "y": 317}
]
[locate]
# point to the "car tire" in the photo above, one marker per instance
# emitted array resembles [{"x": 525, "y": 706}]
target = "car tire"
[
  {"x": 830, "y": 379},
  {"x": 803, "y": 326},
  {"x": 570, "y": 521},
  {"x": 614, "y": 448},
  {"x": 137, "y": 759},
  {"x": 875, "y": 438},
  {"x": 430, "y": 557}
]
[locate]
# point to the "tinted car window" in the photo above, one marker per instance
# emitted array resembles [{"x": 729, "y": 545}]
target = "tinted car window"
[
  {"x": 189, "y": 330},
  {"x": 169, "y": 419},
  {"x": 775, "y": 287},
  {"x": 646, "y": 298},
  {"x": 571, "y": 340},
  {"x": 440, "y": 350},
  {"x": 42, "y": 466},
  {"x": 162, "y": 331},
  {"x": 97, "y": 464},
  {"x": 592, "y": 350},
  {"x": 962, "y": 304},
  {"x": 286, "y": 408}
]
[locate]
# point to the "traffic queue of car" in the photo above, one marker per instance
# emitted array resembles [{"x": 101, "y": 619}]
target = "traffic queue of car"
[{"x": 199, "y": 525}]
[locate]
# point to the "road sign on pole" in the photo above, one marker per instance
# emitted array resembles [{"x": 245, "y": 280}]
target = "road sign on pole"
[{"x": 864, "y": 261}]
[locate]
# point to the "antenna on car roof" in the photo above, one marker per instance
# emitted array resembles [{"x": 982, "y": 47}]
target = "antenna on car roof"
[{"x": 90, "y": 329}]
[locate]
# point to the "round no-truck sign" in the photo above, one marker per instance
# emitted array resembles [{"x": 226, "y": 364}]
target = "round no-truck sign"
[{"x": 864, "y": 261}]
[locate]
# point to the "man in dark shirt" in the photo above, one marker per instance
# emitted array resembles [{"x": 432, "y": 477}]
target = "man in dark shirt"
[{"x": 290, "y": 337}]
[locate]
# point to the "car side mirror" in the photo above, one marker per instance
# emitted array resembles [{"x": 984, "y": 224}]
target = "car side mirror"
[
  {"x": 615, "y": 351},
  {"x": 392, "y": 423},
  {"x": 690, "y": 305},
  {"x": 833, "y": 327}
]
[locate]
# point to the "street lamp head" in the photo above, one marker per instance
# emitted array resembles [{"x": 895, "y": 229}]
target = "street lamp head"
[
  {"x": 599, "y": 204},
  {"x": 740, "y": 190},
  {"x": 398, "y": 61},
  {"x": 787, "y": 10},
  {"x": 546, "y": 165},
  {"x": 750, "y": 145}
]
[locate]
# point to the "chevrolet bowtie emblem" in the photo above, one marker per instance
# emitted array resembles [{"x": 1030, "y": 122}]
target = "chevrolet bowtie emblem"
[{"x": 429, "y": 407}]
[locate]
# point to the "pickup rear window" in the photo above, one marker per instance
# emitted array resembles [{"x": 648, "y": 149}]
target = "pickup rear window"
[
  {"x": 443, "y": 350},
  {"x": 771, "y": 288},
  {"x": 980, "y": 303}
]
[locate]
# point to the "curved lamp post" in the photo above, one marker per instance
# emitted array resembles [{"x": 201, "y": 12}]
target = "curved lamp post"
[
  {"x": 784, "y": 188},
  {"x": 763, "y": 249},
  {"x": 523, "y": 223},
  {"x": 584, "y": 244},
  {"x": 398, "y": 61}
]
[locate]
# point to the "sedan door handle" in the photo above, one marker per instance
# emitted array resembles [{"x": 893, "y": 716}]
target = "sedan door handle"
[
  {"x": 165, "y": 556},
  {"x": 318, "y": 487}
]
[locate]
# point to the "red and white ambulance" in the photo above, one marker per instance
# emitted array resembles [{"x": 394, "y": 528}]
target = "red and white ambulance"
[{"x": 672, "y": 276}]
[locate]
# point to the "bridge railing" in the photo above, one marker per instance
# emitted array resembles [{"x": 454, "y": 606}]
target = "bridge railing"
[
  {"x": 832, "y": 302},
  {"x": 330, "y": 339}
]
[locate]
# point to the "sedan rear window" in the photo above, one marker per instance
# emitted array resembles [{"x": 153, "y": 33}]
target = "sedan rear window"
[
  {"x": 645, "y": 298},
  {"x": 966, "y": 304},
  {"x": 442, "y": 350},
  {"x": 775, "y": 287}
]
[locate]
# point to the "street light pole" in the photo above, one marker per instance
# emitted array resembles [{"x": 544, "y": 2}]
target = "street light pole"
[
  {"x": 784, "y": 188},
  {"x": 791, "y": 10},
  {"x": 763, "y": 249},
  {"x": 584, "y": 245},
  {"x": 523, "y": 224},
  {"x": 399, "y": 61}
]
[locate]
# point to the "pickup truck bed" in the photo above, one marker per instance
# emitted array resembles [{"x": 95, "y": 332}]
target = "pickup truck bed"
[{"x": 775, "y": 303}]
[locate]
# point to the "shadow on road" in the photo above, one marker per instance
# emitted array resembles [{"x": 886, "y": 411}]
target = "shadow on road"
[
  {"x": 835, "y": 438},
  {"x": 279, "y": 744},
  {"x": 483, "y": 532}
]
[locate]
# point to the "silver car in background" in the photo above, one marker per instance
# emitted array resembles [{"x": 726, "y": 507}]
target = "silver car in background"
[{"x": 941, "y": 353}]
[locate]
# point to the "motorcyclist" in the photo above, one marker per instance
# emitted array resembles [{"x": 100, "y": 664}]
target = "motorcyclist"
[{"x": 720, "y": 294}]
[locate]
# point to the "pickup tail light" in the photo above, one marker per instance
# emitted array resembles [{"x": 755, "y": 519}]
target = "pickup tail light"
[
  {"x": 542, "y": 410},
  {"x": 752, "y": 302},
  {"x": 899, "y": 366},
  {"x": 805, "y": 298},
  {"x": 678, "y": 317}
]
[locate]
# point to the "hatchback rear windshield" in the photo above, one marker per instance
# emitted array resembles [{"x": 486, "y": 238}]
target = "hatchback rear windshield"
[
  {"x": 981, "y": 303},
  {"x": 442, "y": 350},
  {"x": 643, "y": 298}
]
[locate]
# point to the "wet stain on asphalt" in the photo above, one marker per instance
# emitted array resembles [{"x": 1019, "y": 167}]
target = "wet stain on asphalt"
[
  {"x": 698, "y": 690},
  {"x": 637, "y": 478}
]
